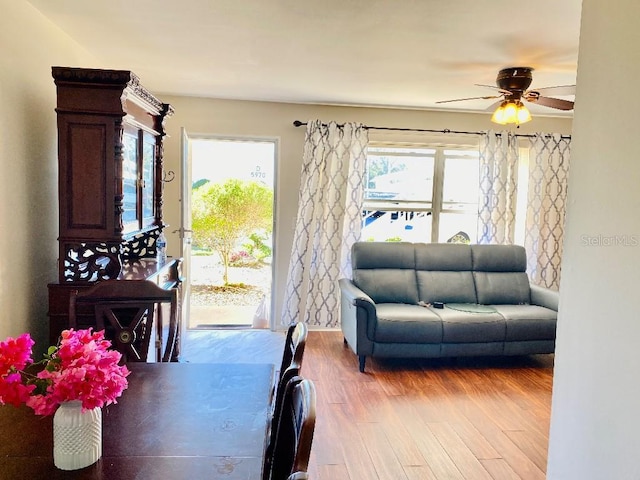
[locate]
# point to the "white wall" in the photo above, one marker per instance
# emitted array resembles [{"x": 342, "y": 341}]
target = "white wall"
[
  {"x": 274, "y": 120},
  {"x": 28, "y": 164},
  {"x": 595, "y": 422}
]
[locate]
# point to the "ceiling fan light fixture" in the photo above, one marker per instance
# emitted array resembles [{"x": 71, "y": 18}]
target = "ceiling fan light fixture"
[
  {"x": 523, "y": 114},
  {"x": 499, "y": 116},
  {"x": 511, "y": 111}
]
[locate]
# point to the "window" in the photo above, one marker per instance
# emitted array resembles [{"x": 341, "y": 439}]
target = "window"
[{"x": 421, "y": 194}]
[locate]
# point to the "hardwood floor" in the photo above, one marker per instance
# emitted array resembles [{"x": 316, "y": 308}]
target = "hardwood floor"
[{"x": 424, "y": 419}]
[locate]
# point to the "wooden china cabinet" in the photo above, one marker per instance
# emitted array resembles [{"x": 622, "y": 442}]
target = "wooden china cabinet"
[{"x": 110, "y": 181}]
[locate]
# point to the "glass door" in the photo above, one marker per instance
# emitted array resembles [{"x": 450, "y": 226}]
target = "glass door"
[{"x": 232, "y": 204}]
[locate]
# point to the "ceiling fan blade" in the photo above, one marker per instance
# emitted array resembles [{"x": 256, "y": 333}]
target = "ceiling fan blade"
[
  {"x": 557, "y": 90},
  {"x": 506, "y": 92},
  {"x": 493, "y": 106},
  {"x": 557, "y": 103},
  {"x": 469, "y": 98}
]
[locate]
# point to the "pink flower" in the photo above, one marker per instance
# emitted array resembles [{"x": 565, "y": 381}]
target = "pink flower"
[
  {"x": 12, "y": 391},
  {"x": 15, "y": 353},
  {"x": 42, "y": 405},
  {"x": 81, "y": 367}
]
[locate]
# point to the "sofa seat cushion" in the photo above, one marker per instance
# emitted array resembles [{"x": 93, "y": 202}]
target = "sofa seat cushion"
[
  {"x": 467, "y": 327},
  {"x": 404, "y": 323},
  {"x": 528, "y": 322}
]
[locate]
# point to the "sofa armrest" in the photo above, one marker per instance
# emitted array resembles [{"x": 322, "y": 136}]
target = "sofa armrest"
[
  {"x": 544, "y": 297},
  {"x": 357, "y": 316},
  {"x": 356, "y": 296}
]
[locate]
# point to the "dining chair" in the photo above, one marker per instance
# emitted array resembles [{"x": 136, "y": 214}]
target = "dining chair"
[
  {"x": 292, "y": 355},
  {"x": 128, "y": 310},
  {"x": 294, "y": 344},
  {"x": 294, "y": 431},
  {"x": 299, "y": 476},
  {"x": 291, "y": 372}
]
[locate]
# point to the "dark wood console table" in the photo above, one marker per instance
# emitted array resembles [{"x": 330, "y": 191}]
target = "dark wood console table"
[{"x": 175, "y": 421}]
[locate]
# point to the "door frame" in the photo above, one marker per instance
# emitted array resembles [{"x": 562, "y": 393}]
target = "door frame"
[
  {"x": 184, "y": 232},
  {"x": 185, "y": 189}
]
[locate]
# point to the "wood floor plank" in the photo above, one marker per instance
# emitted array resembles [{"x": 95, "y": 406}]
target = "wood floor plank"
[
  {"x": 354, "y": 452},
  {"x": 433, "y": 452},
  {"x": 532, "y": 448},
  {"x": 357, "y": 460},
  {"x": 404, "y": 448},
  {"x": 387, "y": 415},
  {"x": 331, "y": 472},
  {"x": 504, "y": 406},
  {"x": 334, "y": 427},
  {"x": 313, "y": 469},
  {"x": 327, "y": 438},
  {"x": 516, "y": 458},
  {"x": 464, "y": 460},
  {"x": 364, "y": 404},
  {"x": 421, "y": 472},
  {"x": 474, "y": 440},
  {"x": 380, "y": 451},
  {"x": 499, "y": 469}
]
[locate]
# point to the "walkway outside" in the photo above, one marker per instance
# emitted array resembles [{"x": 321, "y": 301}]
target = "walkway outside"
[{"x": 213, "y": 305}]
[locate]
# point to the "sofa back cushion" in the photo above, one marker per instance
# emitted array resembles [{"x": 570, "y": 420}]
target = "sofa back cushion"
[
  {"x": 385, "y": 271},
  {"x": 500, "y": 274},
  {"x": 443, "y": 271}
]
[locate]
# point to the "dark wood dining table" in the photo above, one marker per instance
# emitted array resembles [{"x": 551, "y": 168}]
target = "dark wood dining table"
[{"x": 174, "y": 421}]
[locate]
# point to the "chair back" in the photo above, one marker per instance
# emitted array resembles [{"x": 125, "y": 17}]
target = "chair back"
[
  {"x": 298, "y": 476},
  {"x": 294, "y": 430},
  {"x": 285, "y": 378},
  {"x": 294, "y": 346},
  {"x": 128, "y": 310}
]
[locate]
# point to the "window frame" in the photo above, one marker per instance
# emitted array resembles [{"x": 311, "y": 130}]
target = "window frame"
[{"x": 435, "y": 206}]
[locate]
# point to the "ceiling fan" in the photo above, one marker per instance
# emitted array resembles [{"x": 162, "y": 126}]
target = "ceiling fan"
[{"x": 513, "y": 86}]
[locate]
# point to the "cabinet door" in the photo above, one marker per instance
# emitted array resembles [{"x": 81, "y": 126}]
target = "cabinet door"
[
  {"x": 130, "y": 173},
  {"x": 148, "y": 178},
  {"x": 138, "y": 180}
]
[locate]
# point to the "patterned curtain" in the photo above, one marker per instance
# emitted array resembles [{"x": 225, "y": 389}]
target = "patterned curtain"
[
  {"x": 498, "y": 187},
  {"x": 329, "y": 221},
  {"x": 548, "y": 175}
]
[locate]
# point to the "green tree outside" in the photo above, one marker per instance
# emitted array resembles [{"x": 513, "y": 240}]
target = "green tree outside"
[
  {"x": 381, "y": 165},
  {"x": 223, "y": 214}
]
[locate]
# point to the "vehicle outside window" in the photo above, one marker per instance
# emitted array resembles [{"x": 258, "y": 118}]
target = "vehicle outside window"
[{"x": 421, "y": 194}]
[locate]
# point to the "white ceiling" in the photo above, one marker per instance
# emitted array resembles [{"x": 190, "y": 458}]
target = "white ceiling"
[{"x": 394, "y": 53}]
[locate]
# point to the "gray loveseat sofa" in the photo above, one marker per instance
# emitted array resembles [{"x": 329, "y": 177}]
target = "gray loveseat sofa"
[{"x": 489, "y": 306}]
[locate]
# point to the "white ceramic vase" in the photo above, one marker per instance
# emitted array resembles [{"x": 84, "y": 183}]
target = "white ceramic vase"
[{"x": 77, "y": 436}]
